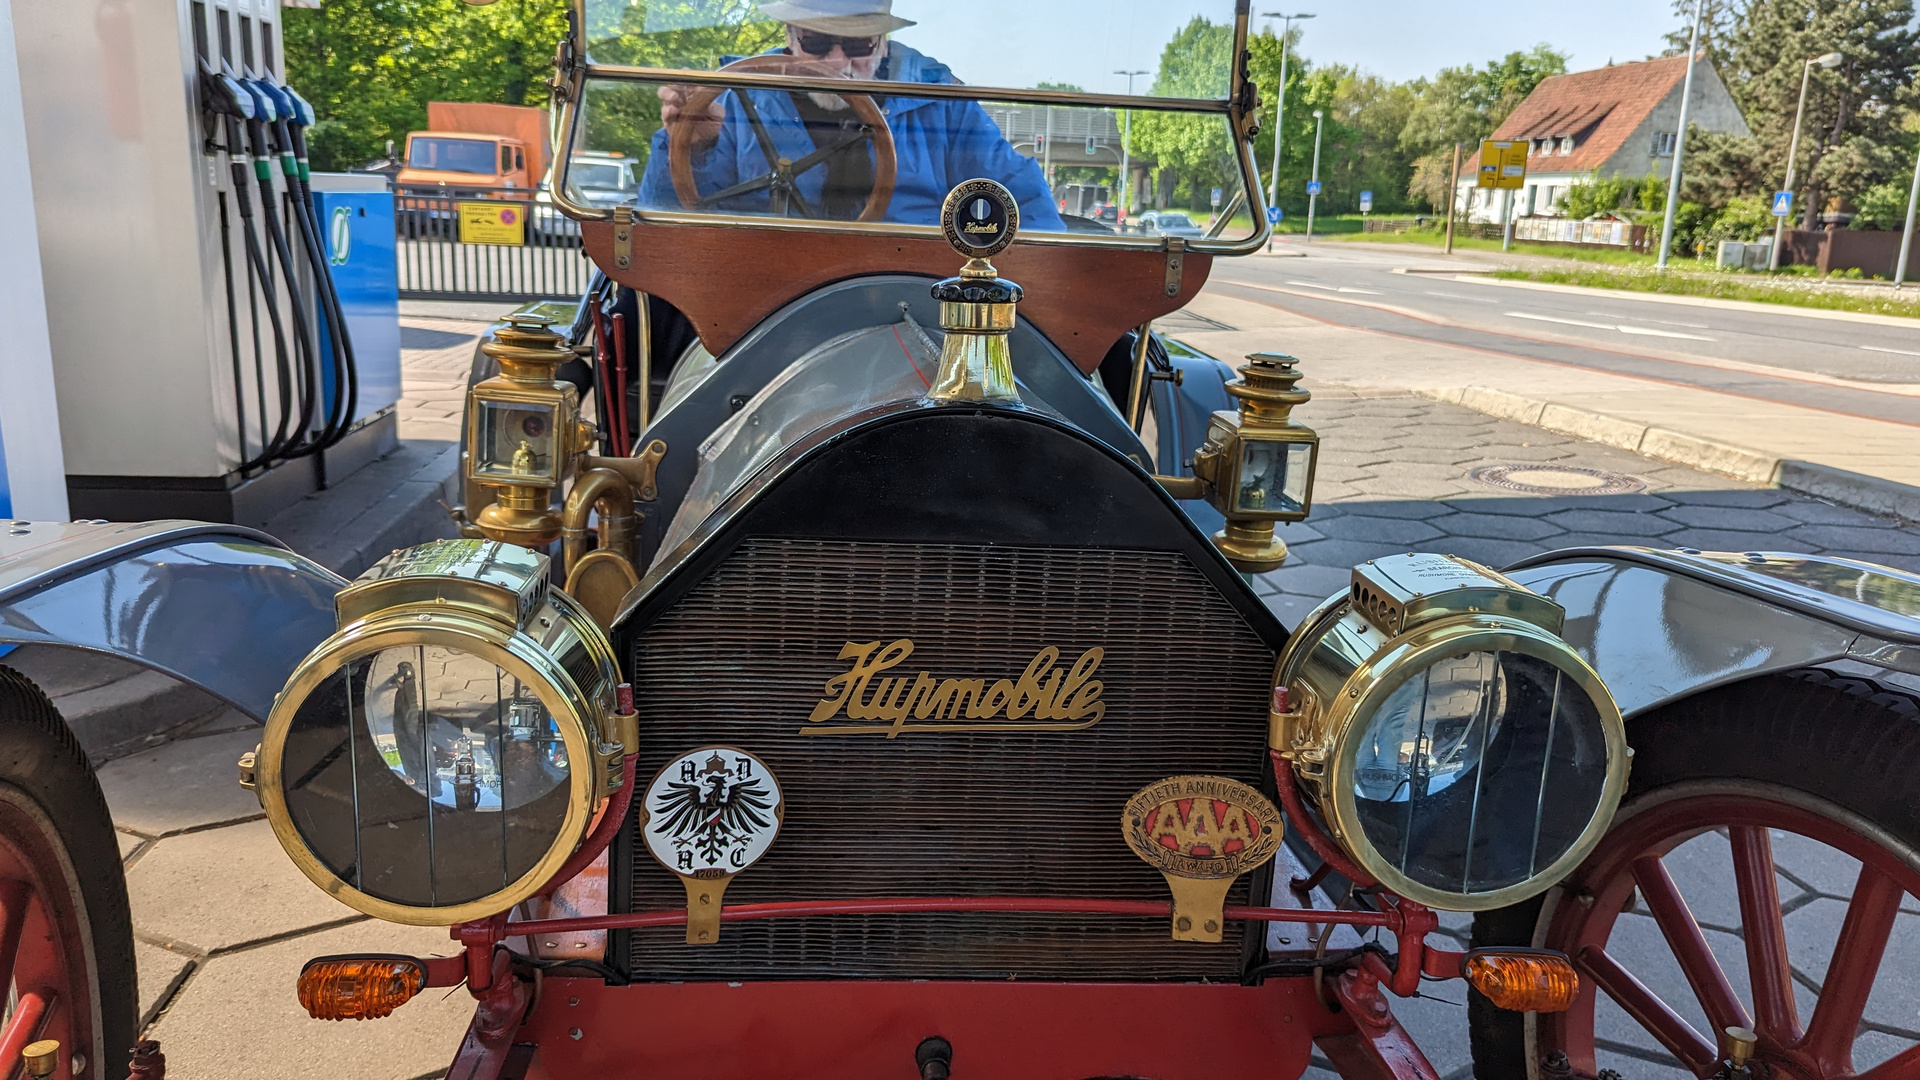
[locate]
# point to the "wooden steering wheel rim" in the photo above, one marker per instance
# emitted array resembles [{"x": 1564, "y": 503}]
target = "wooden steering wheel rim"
[{"x": 680, "y": 132}]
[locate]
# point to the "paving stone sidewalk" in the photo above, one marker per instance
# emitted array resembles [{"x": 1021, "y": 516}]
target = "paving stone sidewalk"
[{"x": 225, "y": 921}]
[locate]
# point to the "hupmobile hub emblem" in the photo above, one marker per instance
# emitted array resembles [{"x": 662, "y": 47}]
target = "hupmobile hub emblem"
[
  {"x": 708, "y": 815},
  {"x": 1047, "y": 696},
  {"x": 1201, "y": 833}
]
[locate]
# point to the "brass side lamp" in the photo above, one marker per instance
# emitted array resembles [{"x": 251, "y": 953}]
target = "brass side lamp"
[
  {"x": 1257, "y": 465},
  {"x": 523, "y": 432}
]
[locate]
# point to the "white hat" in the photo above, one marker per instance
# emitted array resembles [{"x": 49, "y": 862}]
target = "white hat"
[{"x": 844, "y": 18}]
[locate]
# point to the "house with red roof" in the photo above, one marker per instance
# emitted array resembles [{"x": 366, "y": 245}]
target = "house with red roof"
[{"x": 1617, "y": 121}]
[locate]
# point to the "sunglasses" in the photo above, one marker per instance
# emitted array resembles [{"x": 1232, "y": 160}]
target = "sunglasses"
[{"x": 815, "y": 44}]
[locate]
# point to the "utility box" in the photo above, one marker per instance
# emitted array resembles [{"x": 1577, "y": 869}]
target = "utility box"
[{"x": 357, "y": 226}]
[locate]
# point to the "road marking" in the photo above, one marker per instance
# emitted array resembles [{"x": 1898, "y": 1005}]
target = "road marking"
[
  {"x": 1641, "y": 331},
  {"x": 1902, "y": 352},
  {"x": 1451, "y": 296},
  {"x": 1662, "y": 322},
  {"x": 1336, "y": 288}
]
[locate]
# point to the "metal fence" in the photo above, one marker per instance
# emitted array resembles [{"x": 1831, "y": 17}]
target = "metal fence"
[{"x": 487, "y": 249}]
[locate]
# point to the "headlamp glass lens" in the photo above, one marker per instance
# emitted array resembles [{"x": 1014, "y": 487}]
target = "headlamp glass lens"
[
  {"x": 1480, "y": 772},
  {"x": 1273, "y": 477},
  {"x": 426, "y": 775}
]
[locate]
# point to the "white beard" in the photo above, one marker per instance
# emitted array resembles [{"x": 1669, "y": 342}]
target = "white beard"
[{"x": 829, "y": 102}]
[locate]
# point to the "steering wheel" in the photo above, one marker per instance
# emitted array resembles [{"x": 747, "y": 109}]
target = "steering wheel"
[{"x": 781, "y": 178}]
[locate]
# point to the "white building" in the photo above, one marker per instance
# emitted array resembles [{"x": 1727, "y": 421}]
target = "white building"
[{"x": 1617, "y": 121}]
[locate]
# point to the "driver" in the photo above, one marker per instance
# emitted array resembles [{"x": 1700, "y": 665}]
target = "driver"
[{"x": 939, "y": 141}]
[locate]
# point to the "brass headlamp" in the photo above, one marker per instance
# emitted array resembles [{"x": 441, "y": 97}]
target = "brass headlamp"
[
  {"x": 1257, "y": 465},
  {"x": 439, "y": 757},
  {"x": 1449, "y": 740},
  {"x": 523, "y": 432}
]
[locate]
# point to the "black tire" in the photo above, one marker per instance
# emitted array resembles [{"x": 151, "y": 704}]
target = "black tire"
[
  {"x": 42, "y": 763},
  {"x": 1850, "y": 743}
]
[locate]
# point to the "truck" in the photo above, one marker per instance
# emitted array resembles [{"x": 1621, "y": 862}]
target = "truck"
[{"x": 476, "y": 150}]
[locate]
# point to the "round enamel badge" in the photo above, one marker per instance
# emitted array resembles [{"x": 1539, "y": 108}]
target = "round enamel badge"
[
  {"x": 712, "y": 812},
  {"x": 1201, "y": 833}
]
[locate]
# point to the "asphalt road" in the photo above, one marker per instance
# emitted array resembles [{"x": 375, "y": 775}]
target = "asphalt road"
[{"x": 1853, "y": 368}]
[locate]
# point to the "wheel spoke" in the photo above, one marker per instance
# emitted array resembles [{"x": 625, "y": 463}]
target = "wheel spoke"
[
  {"x": 1649, "y": 1011},
  {"x": 1775, "y": 1016},
  {"x": 1904, "y": 1065},
  {"x": 1689, "y": 945},
  {"x": 1851, "y": 971},
  {"x": 22, "y": 1028},
  {"x": 760, "y": 135},
  {"x": 14, "y": 898}
]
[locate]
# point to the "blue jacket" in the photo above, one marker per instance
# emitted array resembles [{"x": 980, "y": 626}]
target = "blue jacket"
[{"x": 938, "y": 143}]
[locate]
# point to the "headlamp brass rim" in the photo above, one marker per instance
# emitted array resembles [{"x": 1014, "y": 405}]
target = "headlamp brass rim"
[
  {"x": 1404, "y": 657},
  {"x": 513, "y": 651}
]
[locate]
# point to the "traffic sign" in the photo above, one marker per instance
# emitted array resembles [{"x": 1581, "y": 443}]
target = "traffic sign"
[
  {"x": 1216, "y": 198},
  {"x": 1313, "y": 187},
  {"x": 1274, "y": 215},
  {"x": 1503, "y": 163},
  {"x": 1783, "y": 204},
  {"x": 1366, "y": 202}
]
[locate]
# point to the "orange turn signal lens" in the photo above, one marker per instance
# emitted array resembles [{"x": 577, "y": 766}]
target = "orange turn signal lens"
[
  {"x": 359, "y": 987},
  {"x": 1524, "y": 981}
]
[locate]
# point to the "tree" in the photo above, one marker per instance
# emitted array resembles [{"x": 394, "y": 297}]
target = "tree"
[
  {"x": 1197, "y": 147},
  {"x": 1464, "y": 105},
  {"x": 1854, "y": 113}
]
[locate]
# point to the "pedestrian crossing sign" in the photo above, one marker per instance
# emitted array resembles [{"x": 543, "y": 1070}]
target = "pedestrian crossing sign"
[{"x": 1783, "y": 204}]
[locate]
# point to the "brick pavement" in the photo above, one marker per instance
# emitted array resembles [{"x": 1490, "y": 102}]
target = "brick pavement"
[{"x": 225, "y": 920}]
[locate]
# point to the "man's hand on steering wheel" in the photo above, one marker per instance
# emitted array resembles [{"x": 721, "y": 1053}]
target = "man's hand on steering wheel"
[{"x": 705, "y": 129}]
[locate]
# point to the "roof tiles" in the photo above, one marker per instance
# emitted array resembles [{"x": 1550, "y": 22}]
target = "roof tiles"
[{"x": 1598, "y": 108}]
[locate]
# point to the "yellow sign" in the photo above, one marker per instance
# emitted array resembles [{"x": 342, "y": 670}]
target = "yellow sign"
[
  {"x": 1503, "y": 163},
  {"x": 493, "y": 223},
  {"x": 1056, "y": 699}
]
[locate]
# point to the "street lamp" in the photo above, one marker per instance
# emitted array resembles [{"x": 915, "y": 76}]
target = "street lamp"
[
  {"x": 1126, "y": 135},
  {"x": 1313, "y": 188},
  {"x": 1279, "y": 107},
  {"x": 1906, "y": 238},
  {"x": 1679, "y": 142},
  {"x": 1829, "y": 61}
]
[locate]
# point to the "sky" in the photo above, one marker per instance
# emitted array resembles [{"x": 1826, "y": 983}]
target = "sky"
[{"x": 1022, "y": 42}]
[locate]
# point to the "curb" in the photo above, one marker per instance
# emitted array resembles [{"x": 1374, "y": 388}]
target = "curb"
[
  {"x": 1755, "y": 307},
  {"x": 1855, "y": 490}
]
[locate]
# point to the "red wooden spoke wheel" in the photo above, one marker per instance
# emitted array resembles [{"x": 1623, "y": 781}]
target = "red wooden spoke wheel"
[
  {"x": 66, "y": 940},
  {"x": 1826, "y": 759}
]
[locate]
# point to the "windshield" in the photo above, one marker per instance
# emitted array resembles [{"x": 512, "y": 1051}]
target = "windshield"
[
  {"x": 892, "y": 158},
  {"x": 594, "y": 174},
  {"x": 451, "y": 155}
]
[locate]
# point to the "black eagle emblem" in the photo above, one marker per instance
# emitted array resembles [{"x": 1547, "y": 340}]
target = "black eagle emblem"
[{"x": 712, "y": 816}]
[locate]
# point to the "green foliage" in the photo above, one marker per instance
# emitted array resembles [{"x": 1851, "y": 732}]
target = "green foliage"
[
  {"x": 1727, "y": 286},
  {"x": 1196, "y": 147},
  {"x": 1462, "y": 105},
  {"x": 1882, "y": 206},
  {"x": 371, "y": 66}
]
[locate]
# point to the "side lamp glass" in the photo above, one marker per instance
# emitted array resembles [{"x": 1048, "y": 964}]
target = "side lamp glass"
[
  {"x": 523, "y": 436},
  {"x": 1258, "y": 462}
]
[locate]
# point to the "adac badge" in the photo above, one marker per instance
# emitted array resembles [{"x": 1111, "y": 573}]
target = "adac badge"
[
  {"x": 1201, "y": 833},
  {"x": 708, "y": 815}
]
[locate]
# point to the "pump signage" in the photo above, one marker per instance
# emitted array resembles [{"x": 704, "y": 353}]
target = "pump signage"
[
  {"x": 492, "y": 223},
  {"x": 340, "y": 236}
]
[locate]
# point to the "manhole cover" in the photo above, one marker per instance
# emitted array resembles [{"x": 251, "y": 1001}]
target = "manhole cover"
[{"x": 1557, "y": 480}]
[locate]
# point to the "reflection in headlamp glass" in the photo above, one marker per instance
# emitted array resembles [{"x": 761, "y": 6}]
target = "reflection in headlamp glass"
[
  {"x": 426, "y": 776},
  {"x": 1479, "y": 772}
]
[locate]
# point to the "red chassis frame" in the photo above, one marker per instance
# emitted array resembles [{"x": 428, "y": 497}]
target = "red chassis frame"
[{"x": 567, "y": 1028}]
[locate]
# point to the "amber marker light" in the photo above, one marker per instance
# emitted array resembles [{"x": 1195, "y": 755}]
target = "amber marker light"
[
  {"x": 358, "y": 987},
  {"x": 1524, "y": 981}
]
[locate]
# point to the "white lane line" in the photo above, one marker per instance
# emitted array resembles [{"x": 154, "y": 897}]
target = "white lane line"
[
  {"x": 1902, "y": 352},
  {"x": 1641, "y": 331},
  {"x": 1662, "y": 322},
  {"x": 1451, "y": 296},
  {"x": 1336, "y": 288}
]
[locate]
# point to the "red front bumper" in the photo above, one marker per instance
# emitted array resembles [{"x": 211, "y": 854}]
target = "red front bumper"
[{"x": 582, "y": 1028}]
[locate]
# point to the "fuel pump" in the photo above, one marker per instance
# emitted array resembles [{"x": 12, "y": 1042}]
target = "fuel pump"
[{"x": 232, "y": 378}]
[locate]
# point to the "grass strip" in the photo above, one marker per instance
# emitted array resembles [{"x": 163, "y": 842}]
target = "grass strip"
[{"x": 1726, "y": 285}]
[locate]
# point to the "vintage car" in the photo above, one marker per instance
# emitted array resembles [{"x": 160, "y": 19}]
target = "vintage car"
[{"x": 874, "y": 685}]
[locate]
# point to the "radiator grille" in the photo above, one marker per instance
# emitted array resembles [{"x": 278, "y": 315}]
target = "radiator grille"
[{"x": 743, "y": 658}]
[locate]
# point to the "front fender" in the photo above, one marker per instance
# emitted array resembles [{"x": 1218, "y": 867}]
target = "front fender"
[
  {"x": 227, "y": 609},
  {"x": 1660, "y": 625}
]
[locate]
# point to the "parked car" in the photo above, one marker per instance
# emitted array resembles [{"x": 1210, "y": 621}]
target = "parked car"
[
  {"x": 884, "y": 692},
  {"x": 1164, "y": 223}
]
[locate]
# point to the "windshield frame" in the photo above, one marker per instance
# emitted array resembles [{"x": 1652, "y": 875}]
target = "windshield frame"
[{"x": 575, "y": 68}]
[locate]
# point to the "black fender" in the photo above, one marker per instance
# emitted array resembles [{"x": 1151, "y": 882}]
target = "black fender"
[
  {"x": 1661, "y": 625},
  {"x": 226, "y": 609}
]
